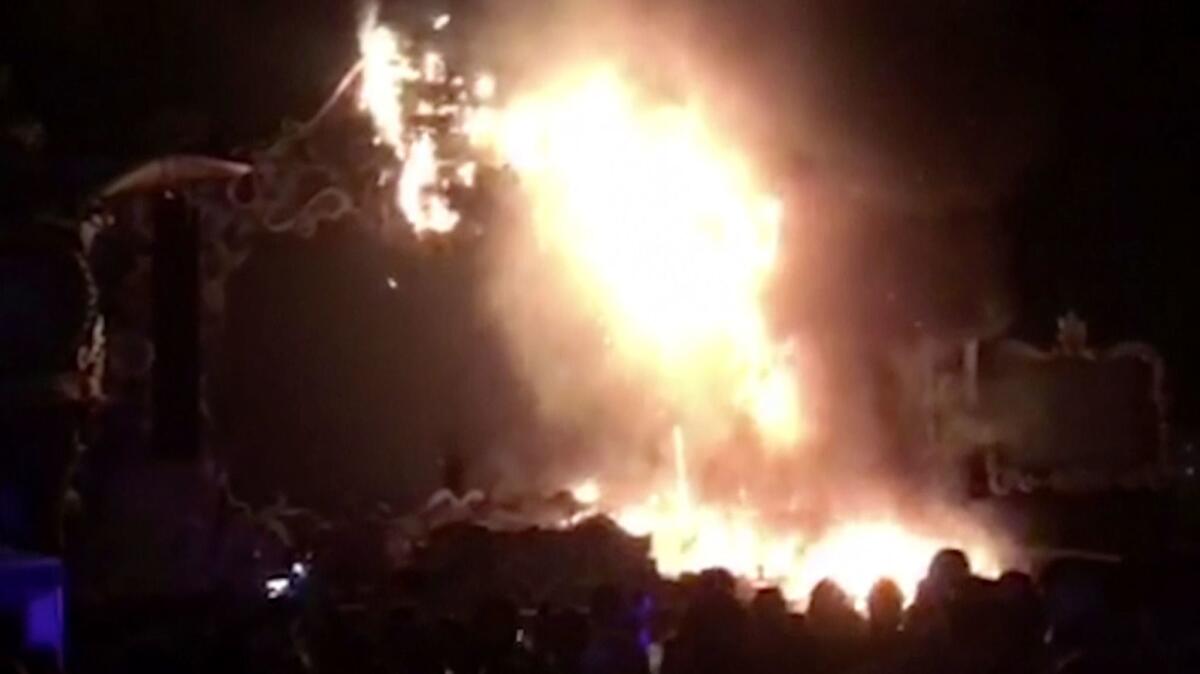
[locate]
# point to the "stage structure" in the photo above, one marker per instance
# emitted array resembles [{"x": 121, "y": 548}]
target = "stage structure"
[{"x": 158, "y": 246}]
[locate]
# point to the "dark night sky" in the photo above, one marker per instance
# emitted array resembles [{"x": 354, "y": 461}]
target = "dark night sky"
[{"x": 1075, "y": 121}]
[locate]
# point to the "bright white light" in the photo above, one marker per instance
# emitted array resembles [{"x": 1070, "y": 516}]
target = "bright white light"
[
  {"x": 587, "y": 493},
  {"x": 392, "y": 283},
  {"x": 441, "y": 21},
  {"x": 466, "y": 174},
  {"x": 276, "y": 587},
  {"x": 485, "y": 86}
]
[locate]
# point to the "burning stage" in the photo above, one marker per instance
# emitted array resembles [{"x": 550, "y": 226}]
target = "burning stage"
[
  {"x": 641, "y": 265},
  {"x": 595, "y": 337},
  {"x": 633, "y": 290}
]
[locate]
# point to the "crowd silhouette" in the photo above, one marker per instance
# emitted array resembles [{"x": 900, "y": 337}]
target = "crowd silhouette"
[{"x": 1075, "y": 617}]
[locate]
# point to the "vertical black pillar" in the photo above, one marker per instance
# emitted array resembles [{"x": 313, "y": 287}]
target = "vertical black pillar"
[{"x": 176, "y": 387}]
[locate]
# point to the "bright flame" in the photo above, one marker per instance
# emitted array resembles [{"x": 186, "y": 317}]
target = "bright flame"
[
  {"x": 466, "y": 174},
  {"x": 485, "y": 86},
  {"x": 661, "y": 225},
  {"x": 427, "y": 208},
  {"x": 387, "y": 71},
  {"x": 857, "y": 554},
  {"x": 689, "y": 536},
  {"x": 433, "y": 67},
  {"x": 587, "y": 492},
  {"x": 682, "y": 492},
  {"x": 666, "y": 234}
]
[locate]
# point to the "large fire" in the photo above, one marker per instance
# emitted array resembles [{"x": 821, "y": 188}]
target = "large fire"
[
  {"x": 664, "y": 235},
  {"x": 659, "y": 224}
]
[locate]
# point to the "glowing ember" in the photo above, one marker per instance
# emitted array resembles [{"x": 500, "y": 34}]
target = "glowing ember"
[{"x": 668, "y": 238}]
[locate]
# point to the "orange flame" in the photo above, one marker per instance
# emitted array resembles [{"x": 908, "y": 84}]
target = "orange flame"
[
  {"x": 387, "y": 71},
  {"x": 668, "y": 238}
]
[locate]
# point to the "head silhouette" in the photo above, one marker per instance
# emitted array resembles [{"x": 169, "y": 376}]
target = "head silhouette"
[
  {"x": 885, "y": 606},
  {"x": 948, "y": 571}
]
